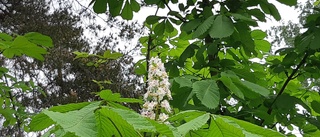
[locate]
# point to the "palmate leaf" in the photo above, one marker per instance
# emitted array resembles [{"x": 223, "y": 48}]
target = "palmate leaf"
[
  {"x": 207, "y": 92},
  {"x": 81, "y": 122},
  {"x": 193, "y": 124}
]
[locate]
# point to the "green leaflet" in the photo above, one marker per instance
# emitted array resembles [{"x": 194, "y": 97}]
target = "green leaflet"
[
  {"x": 81, "y": 122},
  {"x": 194, "y": 124},
  {"x": 110, "y": 123},
  {"x": 39, "y": 39},
  {"x": 127, "y": 12},
  {"x": 100, "y": 6},
  {"x": 203, "y": 27},
  {"x": 221, "y": 27},
  {"x": 288, "y": 2},
  {"x": 207, "y": 92}
]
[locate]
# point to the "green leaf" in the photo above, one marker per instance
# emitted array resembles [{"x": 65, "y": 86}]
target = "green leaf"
[
  {"x": 39, "y": 39},
  {"x": 69, "y": 107},
  {"x": 5, "y": 37},
  {"x": 127, "y": 11},
  {"x": 316, "y": 106},
  {"x": 191, "y": 25},
  {"x": 152, "y": 19},
  {"x": 254, "y": 128},
  {"x": 262, "y": 45},
  {"x": 115, "y": 7},
  {"x": 169, "y": 27},
  {"x": 100, "y": 6},
  {"x": 242, "y": 17},
  {"x": 258, "y": 14},
  {"x": 221, "y": 27},
  {"x": 81, "y": 122},
  {"x": 160, "y": 28},
  {"x": 207, "y": 92},
  {"x": 183, "y": 115},
  {"x": 108, "y": 55},
  {"x": 108, "y": 95},
  {"x": 40, "y": 122},
  {"x": 110, "y": 123},
  {"x": 230, "y": 85},
  {"x": 258, "y": 34},
  {"x": 269, "y": 8},
  {"x": 221, "y": 127},
  {"x": 203, "y": 27},
  {"x": 316, "y": 40},
  {"x": 256, "y": 88},
  {"x": 135, "y": 6},
  {"x": 183, "y": 81},
  {"x": 137, "y": 121},
  {"x": 193, "y": 124},
  {"x": 288, "y": 2},
  {"x": 8, "y": 114}
]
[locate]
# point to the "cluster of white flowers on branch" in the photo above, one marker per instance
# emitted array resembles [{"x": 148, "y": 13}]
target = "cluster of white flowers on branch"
[{"x": 156, "y": 104}]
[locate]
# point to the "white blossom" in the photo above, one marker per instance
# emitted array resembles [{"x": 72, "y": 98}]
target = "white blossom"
[{"x": 158, "y": 91}]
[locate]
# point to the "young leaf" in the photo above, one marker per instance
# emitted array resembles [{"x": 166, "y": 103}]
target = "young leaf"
[
  {"x": 207, "y": 92},
  {"x": 221, "y": 27},
  {"x": 193, "y": 124},
  {"x": 203, "y": 27}
]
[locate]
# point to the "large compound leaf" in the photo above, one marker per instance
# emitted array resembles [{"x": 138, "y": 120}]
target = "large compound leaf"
[
  {"x": 207, "y": 92},
  {"x": 203, "y": 27},
  {"x": 194, "y": 124},
  {"x": 81, "y": 122},
  {"x": 221, "y": 27}
]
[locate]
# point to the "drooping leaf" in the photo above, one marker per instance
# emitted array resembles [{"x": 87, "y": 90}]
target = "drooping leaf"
[
  {"x": 81, "y": 122},
  {"x": 207, "y": 92},
  {"x": 127, "y": 12},
  {"x": 230, "y": 85},
  {"x": 203, "y": 27},
  {"x": 193, "y": 124},
  {"x": 256, "y": 88},
  {"x": 221, "y": 27}
]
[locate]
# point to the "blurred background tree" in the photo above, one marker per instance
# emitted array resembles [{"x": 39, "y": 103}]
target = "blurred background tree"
[{"x": 72, "y": 27}]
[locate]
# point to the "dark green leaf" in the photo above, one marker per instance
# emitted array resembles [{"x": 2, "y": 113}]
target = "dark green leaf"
[
  {"x": 316, "y": 106},
  {"x": 191, "y": 25},
  {"x": 135, "y": 6},
  {"x": 203, "y": 27},
  {"x": 100, "y": 6},
  {"x": 160, "y": 28},
  {"x": 152, "y": 19},
  {"x": 126, "y": 12},
  {"x": 288, "y": 2},
  {"x": 169, "y": 27},
  {"x": 115, "y": 7}
]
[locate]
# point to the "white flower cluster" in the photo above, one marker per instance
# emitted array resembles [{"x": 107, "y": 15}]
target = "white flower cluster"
[{"x": 156, "y": 105}]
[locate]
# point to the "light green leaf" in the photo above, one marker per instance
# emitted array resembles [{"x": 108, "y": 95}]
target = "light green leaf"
[
  {"x": 221, "y": 27},
  {"x": 193, "y": 124},
  {"x": 127, "y": 11},
  {"x": 69, "y": 107},
  {"x": 138, "y": 122},
  {"x": 39, "y": 39},
  {"x": 242, "y": 17},
  {"x": 262, "y": 45},
  {"x": 258, "y": 34},
  {"x": 224, "y": 128},
  {"x": 108, "y": 55},
  {"x": 203, "y": 27},
  {"x": 81, "y": 122},
  {"x": 110, "y": 123},
  {"x": 5, "y": 37},
  {"x": 207, "y": 92},
  {"x": 254, "y": 129},
  {"x": 40, "y": 122}
]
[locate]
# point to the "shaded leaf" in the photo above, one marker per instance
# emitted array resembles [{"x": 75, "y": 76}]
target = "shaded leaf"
[
  {"x": 203, "y": 27},
  {"x": 221, "y": 27},
  {"x": 193, "y": 124},
  {"x": 207, "y": 92}
]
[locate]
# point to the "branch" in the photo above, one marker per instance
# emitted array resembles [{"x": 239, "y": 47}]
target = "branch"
[
  {"x": 181, "y": 19},
  {"x": 291, "y": 77}
]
